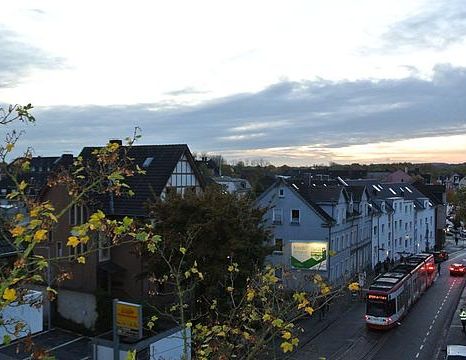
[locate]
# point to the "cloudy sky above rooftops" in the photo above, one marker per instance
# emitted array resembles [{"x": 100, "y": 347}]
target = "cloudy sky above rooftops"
[{"x": 291, "y": 82}]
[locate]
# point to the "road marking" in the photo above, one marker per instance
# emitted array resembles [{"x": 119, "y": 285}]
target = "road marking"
[
  {"x": 421, "y": 347},
  {"x": 430, "y": 327},
  {"x": 417, "y": 355},
  {"x": 424, "y": 340},
  {"x": 428, "y": 333}
]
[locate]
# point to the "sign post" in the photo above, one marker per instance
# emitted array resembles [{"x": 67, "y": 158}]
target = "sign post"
[
  {"x": 116, "y": 337},
  {"x": 127, "y": 322}
]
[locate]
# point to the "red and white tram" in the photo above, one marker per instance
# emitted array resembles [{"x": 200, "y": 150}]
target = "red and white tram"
[{"x": 392, "y": 294}]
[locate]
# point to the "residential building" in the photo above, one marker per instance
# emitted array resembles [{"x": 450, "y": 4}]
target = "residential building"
[
  {"x": 233, "y": 185},
  {"x": 114, "y": 271},
  {"x": 310, "y": 222}
]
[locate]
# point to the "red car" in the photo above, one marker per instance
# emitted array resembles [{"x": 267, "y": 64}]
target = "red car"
[{"x": 457, "y": 269}]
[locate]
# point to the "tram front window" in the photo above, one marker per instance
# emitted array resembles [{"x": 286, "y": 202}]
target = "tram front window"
[{"x": 378, "y": 309}]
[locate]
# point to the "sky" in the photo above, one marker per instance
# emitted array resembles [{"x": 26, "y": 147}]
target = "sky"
[{"x": 289, "y": 82}]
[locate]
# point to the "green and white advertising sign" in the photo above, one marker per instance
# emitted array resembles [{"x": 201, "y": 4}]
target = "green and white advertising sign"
[{"x": 309, "y": 255}]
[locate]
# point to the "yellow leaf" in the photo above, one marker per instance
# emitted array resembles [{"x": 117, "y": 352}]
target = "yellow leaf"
[
  {"x": 183, "y": 250},
  {"x": 286, "y": 346},
  {"x": 9, "y": 294},
  {"x": 229, "y": 289},
  {"x": 40, "y": 235},
  {"x": 72, "y": 241},
  {"x": 81, "y": 260},
  {"x": 286, "y": 335},
  {"x": 266, "y": 317},
  {"x": 19, "y": 217},
  {"x": 246, "y": 335},
  {"x": 189, "y": 324},
  {"x": 9, "y": 147},
  {"x": 85, "y": 239},
  {"x": 309, "y": 310},
  {"x": 231, "y": 268},
  {"x": 250, "y": 294},
  {"x": 34, "y": 212},
  {"x": 22, "y": 185},
  {"x": 17, "y": 231}
]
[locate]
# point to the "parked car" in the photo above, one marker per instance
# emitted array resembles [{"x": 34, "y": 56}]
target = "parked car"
[
  {"x": 456, "y": 352},
  {"x": 457, "y": 269},
  {"x": 440, "y": 256}
]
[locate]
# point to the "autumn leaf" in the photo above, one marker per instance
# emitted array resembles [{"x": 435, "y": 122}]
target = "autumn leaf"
[
  {"x": 286, "y": 347},
  {"x": 40, "y": 235},
  {"x": 72, "y": 241},
  {"x": 17, "y": 231},
  {"x": 309, "y": 310},
  {"x": 22, "y": 185},
  {"x": 250, "y": 294},
  {"x": 286, "y": 335},
  {"x": 9, "y": 294},
  {"x": 81, "y": 260},
  {"x": 183, "y": 250}
]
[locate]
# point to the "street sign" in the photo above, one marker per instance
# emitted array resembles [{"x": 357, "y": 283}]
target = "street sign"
[{"x": 128, "y": 319}]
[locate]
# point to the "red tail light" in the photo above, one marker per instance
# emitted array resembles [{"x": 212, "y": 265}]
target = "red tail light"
[{"x": 452, "y": 268}]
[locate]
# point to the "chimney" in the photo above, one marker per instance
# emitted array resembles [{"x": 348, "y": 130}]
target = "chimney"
[{"x": 115, "y": 141}]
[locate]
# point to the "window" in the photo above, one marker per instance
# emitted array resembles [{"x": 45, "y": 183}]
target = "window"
[
  {"x": 277, "y": 216},
  {"x": 346, "y": 239},
  {"x": 400, "y": 224},
  {"x": 278, "y": 245},
  {"x": 295, "y": 216},
  {"x": 399, "y": 242},
  {"x": 78, "y": 214},
  {"x": 104, "y": 249},
  {"x": 147, "y": 162},
  {"x": 406, "y": 209},
  {"x": 383, "y": 226},
  {"x": 59, "y": 249},
  {"x": 410, "y": 225},
  {"x": 406, "y": 242},
  {"x": 431, "y": 220},
  {"x": 396, "y": 225},
  {"x": 375, "y": 230},
  {"x": 281, "y": 193},
  {"x": 406, "y": 226}
]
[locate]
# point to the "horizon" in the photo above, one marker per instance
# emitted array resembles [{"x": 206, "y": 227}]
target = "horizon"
[{"x": 293, "y": 84}]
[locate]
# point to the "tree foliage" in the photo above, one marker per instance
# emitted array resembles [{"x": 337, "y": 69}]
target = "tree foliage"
[{"x": 220, "y": 227}]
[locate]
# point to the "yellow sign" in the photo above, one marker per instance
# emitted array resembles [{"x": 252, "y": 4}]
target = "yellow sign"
[{"x": 128, "y": 316}]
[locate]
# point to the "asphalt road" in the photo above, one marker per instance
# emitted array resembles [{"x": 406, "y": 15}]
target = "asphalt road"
[
  {"x": 422, "y": 331},
  {"x": 421, "y": 334}
]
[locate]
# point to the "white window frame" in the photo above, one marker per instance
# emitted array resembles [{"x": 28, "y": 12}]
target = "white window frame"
[
  {"x": 275, "y": 212},
  {"x": 291, "y": 216},
  {"x": 104, "y": 254}
]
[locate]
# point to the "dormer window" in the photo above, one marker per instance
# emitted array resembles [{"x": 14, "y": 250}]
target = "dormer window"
[{"x": 281, "y": 192}]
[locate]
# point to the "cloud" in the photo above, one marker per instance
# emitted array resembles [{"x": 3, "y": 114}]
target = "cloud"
[
  {"x": 318, "y": 117},
  {"x": 439, "y": 25},
  {"x": 18, "y": 58}
]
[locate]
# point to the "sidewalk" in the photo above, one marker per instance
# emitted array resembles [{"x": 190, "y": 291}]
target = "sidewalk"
[{"x": 455, "y": 335}]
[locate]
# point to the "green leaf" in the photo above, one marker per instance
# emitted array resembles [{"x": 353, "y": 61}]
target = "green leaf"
[{"x": 6, "y": 339}]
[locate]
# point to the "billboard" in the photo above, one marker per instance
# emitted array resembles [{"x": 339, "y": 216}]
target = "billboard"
[{"x": 309, "y": 255}]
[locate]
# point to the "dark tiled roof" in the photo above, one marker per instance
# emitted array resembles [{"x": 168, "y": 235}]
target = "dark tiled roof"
[
  {"x": 433, "y": 192},
  {"x": 149, "y": 185},
  {"x": 39, "y": 172},
  {"x": 356, "y": 191},
  {"x": 320, "y": 193}
]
